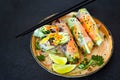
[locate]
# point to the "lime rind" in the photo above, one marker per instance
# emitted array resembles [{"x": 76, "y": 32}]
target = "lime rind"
[
  {"x": 62, "y": 69},
  {"x": 58, "y": 59}
]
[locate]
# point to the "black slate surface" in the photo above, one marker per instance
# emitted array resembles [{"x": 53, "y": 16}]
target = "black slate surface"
[{"x": 16, "y": 61}]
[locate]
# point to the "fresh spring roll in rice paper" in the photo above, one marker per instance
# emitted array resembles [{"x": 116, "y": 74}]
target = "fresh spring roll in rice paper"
[
  {"x": 45, "y": 30},
  {"x": 82, "y": 39},
  {"x": 89, "y": 25},
  {"x": 63, "y": 19},
  {"x": 53, "y": 39},
  {"x": 70, "y": 49}
]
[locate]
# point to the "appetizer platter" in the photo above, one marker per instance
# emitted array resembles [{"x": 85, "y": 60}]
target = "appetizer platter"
[{"x": 74, "y": 45}]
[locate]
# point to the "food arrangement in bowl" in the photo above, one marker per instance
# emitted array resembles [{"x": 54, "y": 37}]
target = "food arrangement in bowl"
[{"x": 74, "y": 45}]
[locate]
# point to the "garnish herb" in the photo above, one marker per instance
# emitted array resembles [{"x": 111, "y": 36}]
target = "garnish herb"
[
  {"x": 41, "y": 58},
  {"x": 73, "y": 60},
  {"x": 37, "y": 47},
  {"x": 85, "y": 53},
  {"x": 74, "y": 15},
  {"x": 83, "y": 63},
  {"x": 51, "y": 40},
  {"x": 46, "y": 32},
  {"x": 95, "y": 60},
  {"x": 72, "y": 29}
]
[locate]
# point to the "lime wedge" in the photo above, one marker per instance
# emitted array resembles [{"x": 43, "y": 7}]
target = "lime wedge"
[
  {"x": 57, "y": 59},
  {"x": 62, "y": 69}
]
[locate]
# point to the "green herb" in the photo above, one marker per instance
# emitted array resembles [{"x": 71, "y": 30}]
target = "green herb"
[
  {"x": 85, "y": 53},
  {"x": 46, "y": 31},
  {"x": 83, "y": 63},
  {"x": 73, "y": 60},
  {"x": 37, "y": 47},
  {"x": 98, "y": 60},
  {"x": 41, "y": 58},
  {"x": 95, "y": 60},
  {"x": 72, "y": 29},
  {"x": 51, "y": 40},
  {"x": 73, "y": 15},
  {"x": 42, "y": 37}
]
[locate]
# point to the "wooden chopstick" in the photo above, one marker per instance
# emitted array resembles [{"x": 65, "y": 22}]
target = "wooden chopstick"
[{"x": 79, "y": 5}]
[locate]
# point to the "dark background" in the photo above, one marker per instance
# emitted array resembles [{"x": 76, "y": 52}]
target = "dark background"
[{"x": 16, "y": 61}]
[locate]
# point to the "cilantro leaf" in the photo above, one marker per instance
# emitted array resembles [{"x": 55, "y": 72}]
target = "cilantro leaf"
[
  {"x": 37, "y": 47},
  {"x": 41, "y": 57}
]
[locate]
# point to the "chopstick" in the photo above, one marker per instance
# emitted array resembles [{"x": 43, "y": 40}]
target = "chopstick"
[{"x": 75, "y": 7}]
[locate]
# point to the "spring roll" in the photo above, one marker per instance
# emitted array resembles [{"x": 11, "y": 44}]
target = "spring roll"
[
  {"x": 82, "y": 39},
  {"x": 53, "y": 39},
  {"x": 63, "y": 19},
  {"x": 70, "y": 49},
  {"x": 89, "y": 25}
]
